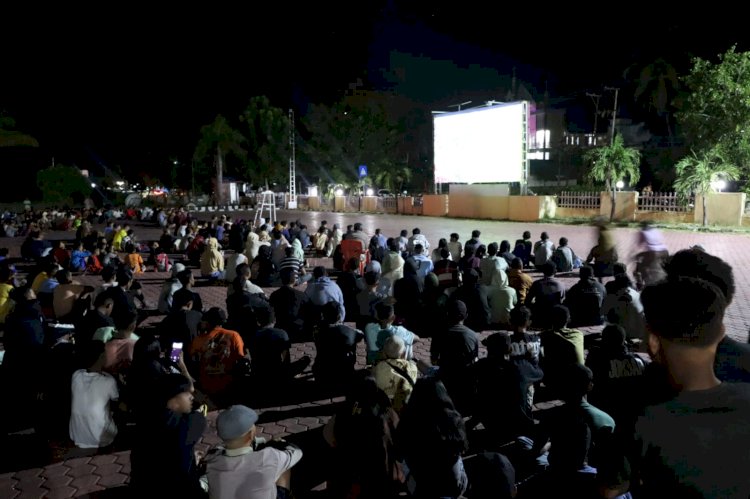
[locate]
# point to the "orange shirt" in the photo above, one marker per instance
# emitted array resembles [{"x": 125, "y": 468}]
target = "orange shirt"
[
  {"x": 135, "y": 261},
  {"x": 216, "y": 354}
]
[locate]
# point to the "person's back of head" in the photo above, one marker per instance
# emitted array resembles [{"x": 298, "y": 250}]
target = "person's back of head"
[
  {"x": 330, "y": 313},
  {"x": 480, "y": 251},
  {"x": 492, "y": 476},
  {"x": 520, "y": 317},
  {"x": 456, "y": 312},
  {"x": 560, "y": 317},
  {"x": 685, "y": 311},
  {"x": 544, "y": 236},
  {"x": 394, "y": 347},
  {"x": 184, "y": 277},
  {"x": 492, "y": 249},
  {"x": 404, "y": 233},
  {"x": 92, "y": 353},
  {"x": 613, "y": 338},
  {"x": 288, "y": 251},
  {"x": 699, "y": 264},
  {"x": 516, "y": 263},
  {"x": 498, "y": 345},
  {"x": 288, "y": 276},
  {"x": 444, "y": 253},
  {"x": 418, "y": 249},
  {"x": 563, "y": 241},
  {"x": 416, "y": 231},
  {"x": 475, "y": 234},
  {"x": 384, "y": 312},
  {"x": 64, "y": 277},
  {"x": 526, "y": 235},
  {"x": 454, "y": 237},
  {"x": 265, "y": 316},
  {"x": 319, "y": 272},
  {"x": 214, "y": 317},
  {"x": 126, "y": 321},
  {"x": 577, "y": 380},
  {"x": 586, "y": 272},
  {"x": 392, "y": 245},
  {"x": 357, "y": 227},
  {"x": 504, "y": 246},
  {"x": 372, "y": 278},
  {"x": 619, "y": 268},
  {"x": 181, "y": 298}
]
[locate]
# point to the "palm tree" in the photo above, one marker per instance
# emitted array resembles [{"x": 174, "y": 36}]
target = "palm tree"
[
  {"x": 13, "y": 138},
  {"x": 697, "y": 173},
  {"x": 658, "y": 83},
  {"x": 219, "y": 139},
  {"x": 612, "y": 163},
  {"x": 393, "y": 178}
]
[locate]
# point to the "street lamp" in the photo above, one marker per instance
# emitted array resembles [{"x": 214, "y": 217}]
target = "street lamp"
[
  {"x": 719, "y": 185},
  {"x": 620, "y": 184},
  {"x": 93, "y": 185},
  {"x": 370, "y": 192},
  {"x": 339, "y": 191}
]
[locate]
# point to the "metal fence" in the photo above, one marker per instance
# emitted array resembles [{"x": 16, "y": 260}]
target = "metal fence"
[
  {"x": 665, "y": 201},
  {"x": 387, "y": 205},
  {"x": 584, "y": 200}
]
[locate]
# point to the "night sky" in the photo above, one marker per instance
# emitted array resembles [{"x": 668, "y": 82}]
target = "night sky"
[{"x": 132, "y": 88}]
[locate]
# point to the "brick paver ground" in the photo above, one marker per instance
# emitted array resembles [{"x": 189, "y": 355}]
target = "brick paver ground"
[{"x": 301, "y": 420}]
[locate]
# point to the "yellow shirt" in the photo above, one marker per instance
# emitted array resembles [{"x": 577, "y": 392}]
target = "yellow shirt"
[
  {"x": 117, "y": 240},
  {"x": 38, "y": 280},
  {"x": 5, "y": 302}
]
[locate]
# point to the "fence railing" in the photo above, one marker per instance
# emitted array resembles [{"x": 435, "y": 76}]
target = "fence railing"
[
  {"x": 387, "y": 205},
  {"x": 584, "y": 200},
  {"x": 665, "y": 201}
]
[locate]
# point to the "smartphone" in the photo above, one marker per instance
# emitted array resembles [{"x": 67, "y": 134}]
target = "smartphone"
[{"x": 176, "y": 350}]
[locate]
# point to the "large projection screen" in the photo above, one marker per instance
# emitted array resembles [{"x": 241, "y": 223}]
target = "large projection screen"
[{"x": 481, "y": 145}]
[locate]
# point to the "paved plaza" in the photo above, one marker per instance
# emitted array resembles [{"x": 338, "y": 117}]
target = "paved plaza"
[{"x": 301, "y": 420}]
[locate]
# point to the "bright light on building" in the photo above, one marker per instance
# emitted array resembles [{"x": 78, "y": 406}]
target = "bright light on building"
[
  {"x": 120, "y": 183},
  {"x": 620, "y": 184},
  {"x": 542, "y": 139},
  {"x": 93, "y": 185},
  {"x": 339, "y": 192},
  {"x": 370, "y": 192}
]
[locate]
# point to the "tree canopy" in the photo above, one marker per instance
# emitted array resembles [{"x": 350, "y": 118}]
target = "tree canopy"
[
  {"x": 717, "y": 109},
  {"x": 63, "y": 185}
]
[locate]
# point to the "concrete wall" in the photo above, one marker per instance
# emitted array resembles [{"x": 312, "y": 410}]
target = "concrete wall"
[
  {"x": 339, "y": 203},
  {"x": 625, "y": 207},
  {"x": 479, "y": 201},
  {"x": 531, "y": 208},
  {"x": 577, "y": 212},
  {"x": 369, "y": 204},
  {"x": 406, "y": 205},
  {"x": 664, "y": 216},
  {"x": 435, "y": 205},
  {"x": 724, "y": 208}
]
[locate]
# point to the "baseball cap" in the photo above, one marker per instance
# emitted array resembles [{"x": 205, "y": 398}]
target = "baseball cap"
[
  {"x": 235, "y": 421},
  {"x": 373, "y": 266}
]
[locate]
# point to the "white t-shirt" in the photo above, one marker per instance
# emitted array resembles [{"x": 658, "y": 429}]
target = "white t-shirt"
[
  {"x": 248, "y": 474},
  {"x": 91, "y": 423}
]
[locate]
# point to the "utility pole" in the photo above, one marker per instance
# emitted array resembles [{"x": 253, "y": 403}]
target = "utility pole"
[
  {"x": 292, "y": 165},
  {"x": 595, "y": 98},
  {"x": 614, "y": 113}
]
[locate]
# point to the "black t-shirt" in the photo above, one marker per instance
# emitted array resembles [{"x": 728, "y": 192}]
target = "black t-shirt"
[
  {"x": 267, "y": 350},
  {"x": 286, "y": 303},
  {"x": 337, "y": 347},
  {"x": 455, "y": 348},
  {"x": 181, "y": 326},
  {"x": 163, "y": 458},
  {"x": 696, "y": 445}
]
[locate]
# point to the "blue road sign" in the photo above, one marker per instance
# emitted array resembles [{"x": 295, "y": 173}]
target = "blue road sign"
[{"x": 362, "y": 171}]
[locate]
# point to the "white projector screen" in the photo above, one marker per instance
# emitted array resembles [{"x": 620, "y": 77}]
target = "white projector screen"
[{"x": 483, "y": 145}]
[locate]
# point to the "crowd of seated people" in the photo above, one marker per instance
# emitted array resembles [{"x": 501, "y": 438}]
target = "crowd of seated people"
[{"x": 640, "y": 402}]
